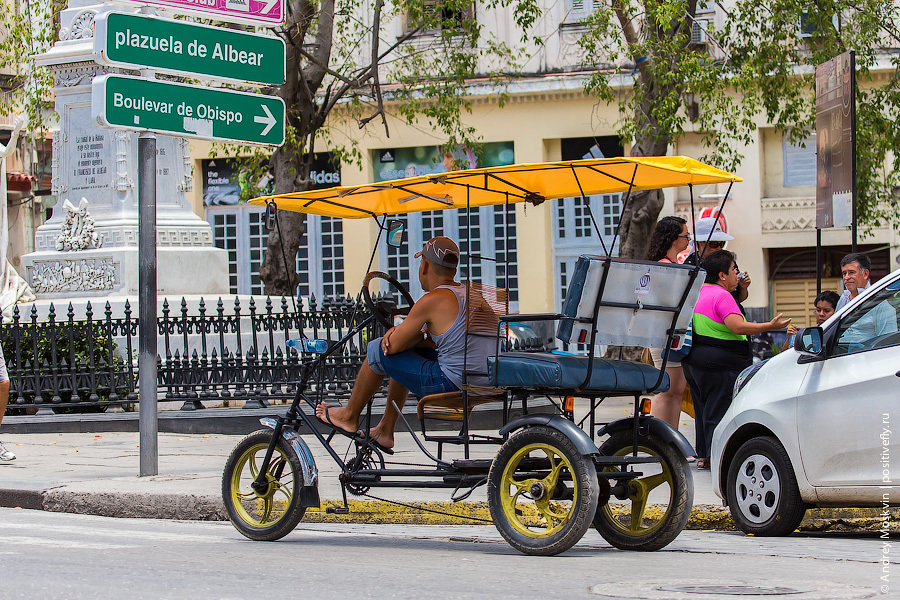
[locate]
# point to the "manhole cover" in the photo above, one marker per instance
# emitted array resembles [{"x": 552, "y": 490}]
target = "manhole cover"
[
  {"x": 731, "y": 590},
  {"x": 720, "y": 589}
]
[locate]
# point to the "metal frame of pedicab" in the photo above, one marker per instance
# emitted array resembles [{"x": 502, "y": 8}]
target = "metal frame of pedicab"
[{"x": 367, "y": 468}]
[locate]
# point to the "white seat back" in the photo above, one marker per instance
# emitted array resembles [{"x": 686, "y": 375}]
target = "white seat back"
[{"x": 637, "y": 283}]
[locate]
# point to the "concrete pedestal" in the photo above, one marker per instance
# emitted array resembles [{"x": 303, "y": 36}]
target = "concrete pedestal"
[{"x": 105, "y": 271}]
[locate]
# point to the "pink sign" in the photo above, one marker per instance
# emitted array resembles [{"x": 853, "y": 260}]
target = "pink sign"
[{"x": 251, "y": 12}]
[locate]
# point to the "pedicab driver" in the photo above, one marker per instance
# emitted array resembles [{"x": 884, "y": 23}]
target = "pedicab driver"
[{"x": 424, "y": 355}]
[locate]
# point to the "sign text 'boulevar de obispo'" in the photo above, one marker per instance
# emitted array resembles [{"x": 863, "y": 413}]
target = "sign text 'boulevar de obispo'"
[
  {"x": 124, "y": 102},
  {"x": 181, "y": 48}
]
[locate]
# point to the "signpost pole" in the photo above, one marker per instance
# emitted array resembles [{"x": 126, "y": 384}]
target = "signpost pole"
[
  {"x": 853, "y": 152},
  {"x": 818, "y": 261},
  {"x": 149, "y": 425}
]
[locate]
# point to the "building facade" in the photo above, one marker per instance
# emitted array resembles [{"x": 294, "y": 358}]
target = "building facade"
[{"x": 548, "y": 117}]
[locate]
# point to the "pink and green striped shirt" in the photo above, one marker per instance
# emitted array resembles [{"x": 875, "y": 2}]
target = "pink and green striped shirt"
[{"x": 714, "y": 304}]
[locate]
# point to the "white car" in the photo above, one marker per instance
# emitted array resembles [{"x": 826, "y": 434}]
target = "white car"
[{"x": 815, "y": 425}]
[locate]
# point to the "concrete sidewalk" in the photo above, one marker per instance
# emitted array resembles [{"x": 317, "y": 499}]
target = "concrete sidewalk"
[{"x": 97, "y": 473}]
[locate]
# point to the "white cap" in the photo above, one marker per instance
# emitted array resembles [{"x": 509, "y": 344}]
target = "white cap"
[{"x": 711, "y": 223}]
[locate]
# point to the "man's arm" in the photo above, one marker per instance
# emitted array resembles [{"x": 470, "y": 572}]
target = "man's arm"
[{"x": 409, "y": 333}]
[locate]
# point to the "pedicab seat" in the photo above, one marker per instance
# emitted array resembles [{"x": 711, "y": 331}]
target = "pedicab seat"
[
  {"x": 622, "y": 302},
  {"x": 559, "y": 371}
]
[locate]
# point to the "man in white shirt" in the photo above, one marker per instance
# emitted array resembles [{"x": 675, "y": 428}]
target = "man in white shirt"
[{"x": 855, "y": 274}]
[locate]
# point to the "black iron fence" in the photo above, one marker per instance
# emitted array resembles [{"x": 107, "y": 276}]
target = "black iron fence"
[{"x": 224, "y": 353}]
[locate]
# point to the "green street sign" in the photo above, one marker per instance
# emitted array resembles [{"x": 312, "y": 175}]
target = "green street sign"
[
  {"x": 140, "y": 42},
  {"x": 135, "y": 104}
]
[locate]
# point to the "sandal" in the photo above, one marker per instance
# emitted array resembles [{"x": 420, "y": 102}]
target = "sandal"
[{"x": 703, "y": 463}]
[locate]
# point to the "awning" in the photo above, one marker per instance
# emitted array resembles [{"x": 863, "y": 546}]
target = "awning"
[
  {"x": 533, "y": 183},
  {"x": 19, "y": 182}
]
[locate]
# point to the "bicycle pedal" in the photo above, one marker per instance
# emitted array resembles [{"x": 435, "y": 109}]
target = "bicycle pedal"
[{"x": 337, "y": 510}]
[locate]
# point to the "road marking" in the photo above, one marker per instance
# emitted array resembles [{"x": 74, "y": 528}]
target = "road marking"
[
  {"x": 57, "y": 543},
  {"x": 119, "y": 533}
]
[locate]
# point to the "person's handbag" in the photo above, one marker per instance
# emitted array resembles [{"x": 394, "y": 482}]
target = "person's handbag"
[
  {"x": 682, "y": 353},
  {"x": 687, "y": 404}
]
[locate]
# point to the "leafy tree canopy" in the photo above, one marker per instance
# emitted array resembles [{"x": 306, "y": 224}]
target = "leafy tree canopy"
[{"x": 759, "y": 61}]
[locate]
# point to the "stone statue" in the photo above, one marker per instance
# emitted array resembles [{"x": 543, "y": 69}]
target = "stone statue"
[
  {"x": 12, "y": 287},
  {"x": 77, "y": 231}
]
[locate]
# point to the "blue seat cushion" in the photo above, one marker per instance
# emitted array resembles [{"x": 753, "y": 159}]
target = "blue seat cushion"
[{"x": 539, "y": 371}]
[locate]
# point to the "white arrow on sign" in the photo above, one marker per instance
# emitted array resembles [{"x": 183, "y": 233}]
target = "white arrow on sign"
[
  {"x": 270, "y": 4},
  {"x": 268, "y": 120}
]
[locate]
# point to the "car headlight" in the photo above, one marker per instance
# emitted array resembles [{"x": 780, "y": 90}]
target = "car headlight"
[{"x": 745, "y": 376}]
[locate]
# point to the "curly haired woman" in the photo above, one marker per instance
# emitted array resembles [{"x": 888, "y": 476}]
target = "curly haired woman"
[{"x": 668, "y": 240}]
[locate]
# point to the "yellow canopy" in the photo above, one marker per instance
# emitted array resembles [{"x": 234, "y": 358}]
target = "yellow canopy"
[{"x": 496, "y": 185}]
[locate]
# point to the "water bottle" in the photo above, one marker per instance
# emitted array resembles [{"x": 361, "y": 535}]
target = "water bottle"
[{"x": 308, "y": 346}]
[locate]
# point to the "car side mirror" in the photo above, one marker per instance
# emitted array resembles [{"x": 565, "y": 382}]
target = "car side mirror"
[{"x": 809, "y": 341}]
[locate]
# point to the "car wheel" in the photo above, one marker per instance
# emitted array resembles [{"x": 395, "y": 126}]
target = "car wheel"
[{"x": 762, "y": 490}]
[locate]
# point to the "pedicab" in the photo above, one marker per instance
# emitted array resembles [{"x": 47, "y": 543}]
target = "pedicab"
[{"x": 549, "y": 482}]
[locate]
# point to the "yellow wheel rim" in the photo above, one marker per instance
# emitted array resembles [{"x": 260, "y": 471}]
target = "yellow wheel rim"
[
  {"x": 267, "y": 508},
  {"x": 539, "y": 517},
  {"x": 640, "y": 518}
]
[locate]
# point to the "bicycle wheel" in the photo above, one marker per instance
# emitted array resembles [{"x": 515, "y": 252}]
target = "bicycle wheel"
[
  {"x": 266, "y": 514},
  {"x": 542, "y": 492},
  {"x": 659, "y": 501}
]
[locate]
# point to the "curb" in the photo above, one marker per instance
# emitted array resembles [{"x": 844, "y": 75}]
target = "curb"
[{"x": 703, "y": 517}]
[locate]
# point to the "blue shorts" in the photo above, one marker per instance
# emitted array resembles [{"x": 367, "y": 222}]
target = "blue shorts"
[{"x": 415, "y": 369}]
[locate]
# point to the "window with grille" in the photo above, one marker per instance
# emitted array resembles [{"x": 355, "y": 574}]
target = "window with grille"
[
  {"x": 470, "y": 244},
  {"x": 578, "y": 10},
  {"x": 225, "y": 236},
  {"x": 799, "y": 161},
  {"x": 493, "y": 235},
  {"x": 437, "y": 16},
  {"x": 240, "y": 230}
]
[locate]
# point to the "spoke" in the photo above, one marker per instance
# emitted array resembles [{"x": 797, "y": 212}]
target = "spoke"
[
  {"x": 509, "y": 502},
  {"x": 558, "y": 510},
  {"x": 276, "y": 462},
  {"x": 523, "y": 486},
  {"x": 280, "y": 487},
  {"x": 638, "y": 506},
  {"x": 246, "y": 496},
  {"x": 553, "y": 476},
  {"x": 654, "y": 481},
  {"x": 553, "y": 519},
  {"x": 267, "y": 509},
  {"x": 254, "y": 468}
]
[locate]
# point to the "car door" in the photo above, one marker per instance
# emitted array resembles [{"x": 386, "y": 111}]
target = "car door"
[{"x": 847, "y": 400}]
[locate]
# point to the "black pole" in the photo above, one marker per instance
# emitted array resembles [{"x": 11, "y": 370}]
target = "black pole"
[
  {"x": 853, "y": 152},
  {"x": 149, "y": 426},
  {"x": 818, "y": 261}
]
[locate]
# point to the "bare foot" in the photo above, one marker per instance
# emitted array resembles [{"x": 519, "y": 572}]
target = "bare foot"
[
  {"x": 336, "y": 416},
  {"x": 382, "y": 439}
]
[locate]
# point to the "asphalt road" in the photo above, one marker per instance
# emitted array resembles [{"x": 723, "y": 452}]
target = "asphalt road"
[{"x": 54, "y": 555}]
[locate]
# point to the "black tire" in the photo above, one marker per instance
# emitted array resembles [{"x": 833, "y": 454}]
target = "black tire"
[
  {"x": 544, "y": 461},
  {"x": 762, "y": 490},
  {"x": 270, "y": 515},
  {"x": 660, "y": 502}
]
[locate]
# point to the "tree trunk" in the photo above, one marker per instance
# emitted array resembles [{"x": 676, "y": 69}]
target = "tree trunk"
[
  {"x": 639, "y": 216},
  {"x": 281, "y": 279}
]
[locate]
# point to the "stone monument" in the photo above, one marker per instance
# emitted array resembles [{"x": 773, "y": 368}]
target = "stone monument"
[{"x": 95, "y": 175}]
